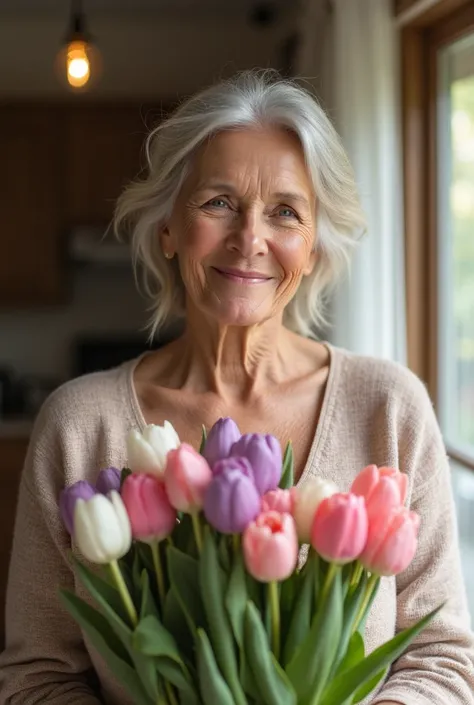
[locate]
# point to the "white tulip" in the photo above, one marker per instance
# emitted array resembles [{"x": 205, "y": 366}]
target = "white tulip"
[
  {"x": 147, "y": 451},
  {"x": 306, "y": 501},
  {"x": 102, "y": 528}
]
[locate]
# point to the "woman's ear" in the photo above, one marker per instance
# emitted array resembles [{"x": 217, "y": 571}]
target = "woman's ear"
[
  {"x": 166, "y": 242},
  {"x": 313, "y": 257}
]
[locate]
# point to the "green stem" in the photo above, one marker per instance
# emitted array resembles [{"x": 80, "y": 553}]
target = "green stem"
[
  {"x": 332, "y": 570},
  {"x": 160, "y": 582},
  {"x": 368, "y": 594},
  {"x": 197, "y": 530},
  {"x": 356, "y": 576},
  {"x": 170, "y": 693},
  {"x": 275, "y": 615},
  {"x": 124, "y": 593},
  {"x": 236, "y": 543}
]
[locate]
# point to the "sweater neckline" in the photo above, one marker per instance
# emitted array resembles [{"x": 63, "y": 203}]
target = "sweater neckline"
[{"x": 331, "y": 392}]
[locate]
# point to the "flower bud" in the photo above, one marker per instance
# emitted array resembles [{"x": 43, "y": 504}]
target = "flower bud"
[
  {"x": 147, "y": 451},
  {"x": 102, "y": 528},
  {"x": 187, "y": 476}
]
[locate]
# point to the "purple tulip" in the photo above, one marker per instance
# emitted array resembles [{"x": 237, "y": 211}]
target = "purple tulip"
[
  {"x": 108, "y": 480},
  {"x": 68, "y": 499},
  {"x": 220, "y": 440},
  {"x": 264, "y": 455},
  {"x": 232, "y": 501}
]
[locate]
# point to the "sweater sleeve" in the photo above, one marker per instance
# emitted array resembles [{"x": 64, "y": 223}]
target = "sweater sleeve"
[
  {"x": 438, "y": 667},
  {"x": 45, "y": 660}
]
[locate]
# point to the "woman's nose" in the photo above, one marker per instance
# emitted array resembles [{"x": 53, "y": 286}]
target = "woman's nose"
[{"x": 248, "y": 236}]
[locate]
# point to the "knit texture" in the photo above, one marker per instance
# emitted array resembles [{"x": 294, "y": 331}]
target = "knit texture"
[{"x": 373, "y": 412}]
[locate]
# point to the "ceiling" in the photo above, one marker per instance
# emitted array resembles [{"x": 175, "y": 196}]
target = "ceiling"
[{"x": 194, "y": 8}]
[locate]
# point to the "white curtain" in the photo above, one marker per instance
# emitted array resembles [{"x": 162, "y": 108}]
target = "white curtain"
[{"x": 349, "y": 52}]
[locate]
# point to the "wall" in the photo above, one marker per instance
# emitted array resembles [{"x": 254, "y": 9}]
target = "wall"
[{"x": 143, "y": 57}]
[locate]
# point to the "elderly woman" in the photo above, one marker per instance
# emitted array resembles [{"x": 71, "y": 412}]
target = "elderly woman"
[{"x": 248, "y": 212}]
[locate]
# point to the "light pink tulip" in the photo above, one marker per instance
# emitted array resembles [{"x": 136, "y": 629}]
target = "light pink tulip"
[
  {"x": 187, "y": 476},
  {"x": 384, "y": 489},
  {"x": 391, "y": 543},
  {"x": 278, "y": 501},
  {"x": 340, "y": 527},
  {"x": 151, "y": 515},
  {"x": 306, "y": 500},
  {"x": 270, "y": 547}
]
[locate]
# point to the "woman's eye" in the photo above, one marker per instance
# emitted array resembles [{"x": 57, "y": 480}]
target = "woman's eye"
[
  {"x": 285, "y": 212},
  {"x": 217, "y": 203}
]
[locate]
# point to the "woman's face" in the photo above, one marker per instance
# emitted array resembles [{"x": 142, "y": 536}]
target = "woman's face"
[{"x": 243, "y": 226}]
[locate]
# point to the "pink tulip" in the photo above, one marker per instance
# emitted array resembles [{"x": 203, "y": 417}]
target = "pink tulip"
[
  {"x": 278, "y": 501},
  {"x": 384, "y": 489},
  {"x": 340, "y": 527},
  {"x": 391, "y": 543},
  {"x": 187, "y": 476},
  {"x": 151, "y": 515},
  {"x": 270, "y": 547},
  {"x": 306, "y": 500}
]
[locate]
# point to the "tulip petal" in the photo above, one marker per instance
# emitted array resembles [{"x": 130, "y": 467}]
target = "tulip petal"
[
  {"x": 123, "y": 521},
  {"x": 85, "y": 533}
]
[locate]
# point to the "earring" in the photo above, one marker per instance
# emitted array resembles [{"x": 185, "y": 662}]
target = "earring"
[{"x": 168, "y": 255}]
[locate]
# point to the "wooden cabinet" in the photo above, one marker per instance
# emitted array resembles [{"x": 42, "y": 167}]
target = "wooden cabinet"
[
  {"x": 61, "y": 166},
  {"x": 31, "y": 267},
  {"x": 12, "y": 454},
  {"x": 104, "y": 151}
]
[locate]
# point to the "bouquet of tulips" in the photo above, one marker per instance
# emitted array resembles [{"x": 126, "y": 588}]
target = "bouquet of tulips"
[{"x": 222, "y": 584}]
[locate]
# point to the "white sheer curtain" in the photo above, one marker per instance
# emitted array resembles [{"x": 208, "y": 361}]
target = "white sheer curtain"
[{"x": 349, "y": 54}]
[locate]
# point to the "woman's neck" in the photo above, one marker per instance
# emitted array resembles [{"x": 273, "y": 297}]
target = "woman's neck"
[{"x": 234, "y": 361}]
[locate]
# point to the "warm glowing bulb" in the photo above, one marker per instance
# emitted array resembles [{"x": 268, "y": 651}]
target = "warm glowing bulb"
[{"x": 78, "y": 65}]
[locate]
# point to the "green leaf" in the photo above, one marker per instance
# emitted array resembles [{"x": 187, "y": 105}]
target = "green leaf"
[
  {"x": 148, "y": 606},
  {"x": 178, "y": 676},
  {"x": 123, "y": 475},
  {"x": 98, "y": 631},
  {"x": 350, "y": 680},
  {"x": 214, "y": 688},
  {"x": 184, "y": 577},
  {"x": 174, "y": 620},
  {"x": 368, "y": 687},
  {"x": 272, "y": 683},
  {"x": 183, "y": 536},
  {"x": 203, "y": 439},
  {"x": 144, "y": 665},
  {"x": 355, "y": 652},
  {"x": 287, "y": 474},
  {"x": 97, "y": 586},
  {"x": 311, "y": 665},
  {"x": 361, "y": 627},
  {"x": 246, "y": 676},
  {"x": 352, "y": 605},
  {"x": 302, "y": 612},
  {"x": 108, "y": 600},
  {"x": 220, "y": 631},
  {"x": 136, "y": 574},
  {"x": 224, "y": 553},
  {"x": 153, "y": 639},
  {"x": 144, "y": 551},
  {"x": 236, "y": 598}
]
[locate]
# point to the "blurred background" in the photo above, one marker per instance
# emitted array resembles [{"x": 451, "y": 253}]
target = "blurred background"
[{"x": 82, "y": 83}]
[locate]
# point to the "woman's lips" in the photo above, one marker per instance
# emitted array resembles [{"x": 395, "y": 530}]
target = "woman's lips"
[{"x": 240, "y": 276}]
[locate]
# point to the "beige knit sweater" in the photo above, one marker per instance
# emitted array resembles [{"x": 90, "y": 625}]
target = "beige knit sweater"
[{"x": 373, "y": 412}]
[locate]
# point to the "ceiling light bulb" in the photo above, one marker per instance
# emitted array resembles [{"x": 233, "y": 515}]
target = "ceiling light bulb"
[{"x": 78, "y": 64}]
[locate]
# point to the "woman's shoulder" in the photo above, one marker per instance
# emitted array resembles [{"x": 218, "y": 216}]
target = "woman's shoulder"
[
  {"x": 382, "y": 382},
  {"x": 84, "y": 405}
]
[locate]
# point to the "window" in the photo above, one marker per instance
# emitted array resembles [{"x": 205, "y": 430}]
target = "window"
[{"x": 455, "y": 247}]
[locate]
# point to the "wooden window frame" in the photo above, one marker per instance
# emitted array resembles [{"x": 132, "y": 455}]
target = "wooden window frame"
[{"x": 425, "y": 27}]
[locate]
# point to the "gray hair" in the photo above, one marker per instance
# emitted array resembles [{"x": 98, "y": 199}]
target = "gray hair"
[{"x": 251, "y": 99}]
